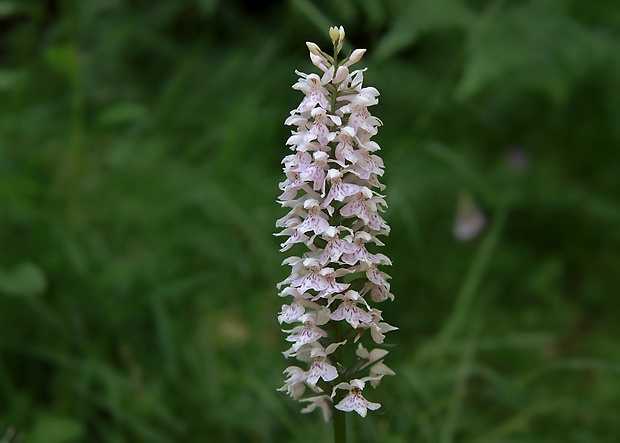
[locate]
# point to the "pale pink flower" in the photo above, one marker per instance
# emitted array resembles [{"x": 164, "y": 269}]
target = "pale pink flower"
[
  {"x": 357, "y": 205},
  {"x": 374, "y": 359},
  {"x": 314, "y": 171},
  {"x": 344, "y": 148},
  {"x": 335, "y": 246},
  {"x": 339, "y": 189},
  {"x": 319, "y": 127},
  {"x": 313, "y": 278},
  {"x": 295, "y": 384},
  {"x": 333, "y": 286},
  {"x": 308, "y": 332},
  {"x": 316, "y": 220},
  {"x": 313, "y": 86},
  {"x": 354, "y": 400},
  {"x": 293, "y": 312},
  {"x": 294, "y": 235},
  {"x": 378, "y": 293},
  {"x": 376, "y": 276},
  {"x": 323, "y": 402},
  {"x": 321, "y": 368},
  {"x": 359, "y": 253},
  {"x": 349, "y": 311}
]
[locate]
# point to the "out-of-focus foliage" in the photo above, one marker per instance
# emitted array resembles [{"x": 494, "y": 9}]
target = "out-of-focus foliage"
[{"x": 140, "y": 147}]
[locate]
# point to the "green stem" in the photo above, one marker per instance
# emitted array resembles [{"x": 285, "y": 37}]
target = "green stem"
[
  {"x": 335, "y": 94},
  {"x": 340, "y": 417},
  {"x": 340, "y": 420},
  {"x": 471, "y": 284}
]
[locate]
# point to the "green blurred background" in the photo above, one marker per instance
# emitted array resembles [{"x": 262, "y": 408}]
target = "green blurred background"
[{"x": 140, "y": 148}]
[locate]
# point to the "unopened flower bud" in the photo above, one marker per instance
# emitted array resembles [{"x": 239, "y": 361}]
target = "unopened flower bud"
[
  {"x": 341, "y": 74},
  {"x": 334, "y": 34},
  {"x": 314, "y": 48},
  {"x": 319, "y": 62},
  {"x": 340, "y": 39},
  {"x": 355, "y": 57}
]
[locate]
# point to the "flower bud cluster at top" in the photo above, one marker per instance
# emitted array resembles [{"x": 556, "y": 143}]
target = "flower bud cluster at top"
[{"x": 331, "y": 186}]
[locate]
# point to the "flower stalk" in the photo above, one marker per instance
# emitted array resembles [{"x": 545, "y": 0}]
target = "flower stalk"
[{"x": 334, "y": 217}]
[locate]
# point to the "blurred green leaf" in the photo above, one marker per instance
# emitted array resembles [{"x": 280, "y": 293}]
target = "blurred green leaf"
[
  {"x": 8, "y": 8},
  {"x": 63, "y": 59},
  {"x": 55, "y": 429},
  {"x": 25, "y": 280},
  {"x": 10, "y": 78},
  {"x": 527, "y": 46},
  {"x": 419, "y": 17},
  {"x": 121, "y": 113}
]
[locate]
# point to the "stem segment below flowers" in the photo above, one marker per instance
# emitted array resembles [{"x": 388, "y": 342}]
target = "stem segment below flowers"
[{"x": 340, "y": 420}]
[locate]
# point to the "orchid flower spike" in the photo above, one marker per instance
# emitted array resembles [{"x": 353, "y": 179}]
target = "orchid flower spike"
[{"x": 334, "y": 221}]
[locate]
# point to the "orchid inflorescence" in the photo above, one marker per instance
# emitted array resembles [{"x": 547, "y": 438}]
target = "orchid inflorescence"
[{"x": 330, "y": 189}]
